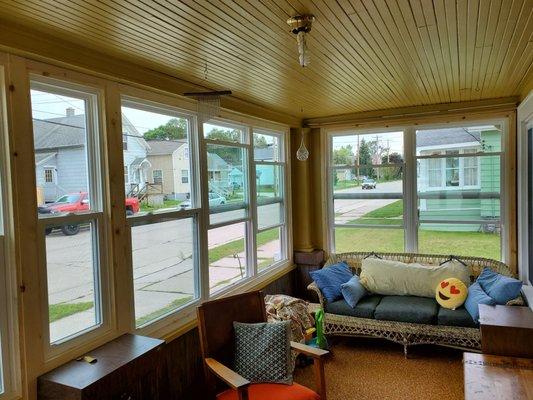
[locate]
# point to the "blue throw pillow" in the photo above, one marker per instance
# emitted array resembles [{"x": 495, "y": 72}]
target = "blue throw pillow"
[
  {"x": 353, "y": 291},
  {"x": 330, "y": 279},
  {"x": 476, "y": 296},
  {"x": 500, "y": 287}
]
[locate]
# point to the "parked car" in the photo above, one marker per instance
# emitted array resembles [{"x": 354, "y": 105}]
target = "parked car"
[
  {"x": 368, "y": 184},
  {"x": 214, "y": 200},
  {"x": 76, "y": 202}
]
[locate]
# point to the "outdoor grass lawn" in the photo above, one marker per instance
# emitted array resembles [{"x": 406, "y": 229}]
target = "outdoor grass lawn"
[
  {"x": 162, "y": 311},
  {"x": 62, "y": 310},
  {"x": 392, "y": 240},
  {"x": 390, "y": 214},
  {"x": 166, "y": 204},
  {"x": 434, "y": 242},
  {"x": 237, "y": 246},
  {"x": 345, "y": 185}
]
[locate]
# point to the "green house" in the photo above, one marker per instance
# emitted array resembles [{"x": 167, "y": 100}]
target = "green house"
[{"x": 455, "y": 187}]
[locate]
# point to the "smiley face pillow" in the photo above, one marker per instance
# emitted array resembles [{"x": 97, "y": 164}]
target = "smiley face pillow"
[{"x": 451, "y": 293}]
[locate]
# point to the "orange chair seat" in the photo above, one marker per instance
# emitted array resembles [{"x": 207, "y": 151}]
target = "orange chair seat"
[{"x": 272, "y": 391}]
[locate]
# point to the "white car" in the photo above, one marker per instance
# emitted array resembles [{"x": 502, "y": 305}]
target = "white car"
[{"x": 214, "y": 200}]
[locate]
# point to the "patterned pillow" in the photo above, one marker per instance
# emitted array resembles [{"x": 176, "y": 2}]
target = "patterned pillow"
[{"x": 263, "y": 352}]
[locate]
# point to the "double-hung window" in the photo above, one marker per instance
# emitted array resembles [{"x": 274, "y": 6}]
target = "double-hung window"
[
  {"x": 164, "y": 230},
  {"x": 269, "y": 169},
  {"x": 367, "y": 186},
  {"x": 72, "y": 225},
  {"x": 462, "y": 215},
  {"x": 445, "y": 198},
  {"x": 227, "y": 161}
]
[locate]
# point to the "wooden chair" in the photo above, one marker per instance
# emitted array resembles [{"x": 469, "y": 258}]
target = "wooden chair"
[{"x": 215, "y": 320}]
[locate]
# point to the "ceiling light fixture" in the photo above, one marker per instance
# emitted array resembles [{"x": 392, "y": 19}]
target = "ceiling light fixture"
[{"x": 300, "y": 26}]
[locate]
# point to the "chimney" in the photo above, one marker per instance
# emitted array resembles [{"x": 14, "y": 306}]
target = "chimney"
[{"x": 70, "y": 112}]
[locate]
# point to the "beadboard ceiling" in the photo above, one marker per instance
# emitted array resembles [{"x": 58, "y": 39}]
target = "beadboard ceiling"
[{"x": 365, "y": 54}]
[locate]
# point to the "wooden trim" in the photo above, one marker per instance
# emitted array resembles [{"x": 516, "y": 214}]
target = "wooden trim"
[
  {"x": 511, "y": 201},
  {"x": 233, "y": 379},
  {"x": 417, "y": 113},
  {"x": 39, "y": 46}
]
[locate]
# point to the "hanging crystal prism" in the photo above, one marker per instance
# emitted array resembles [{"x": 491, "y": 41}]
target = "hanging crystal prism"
[{"x": 302, "y": 154}]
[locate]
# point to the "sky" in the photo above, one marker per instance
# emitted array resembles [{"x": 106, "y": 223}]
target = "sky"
[{"x": 48, "y": 105}]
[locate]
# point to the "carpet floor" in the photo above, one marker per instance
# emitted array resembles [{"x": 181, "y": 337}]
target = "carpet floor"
[{"x": 366, "y": 369}]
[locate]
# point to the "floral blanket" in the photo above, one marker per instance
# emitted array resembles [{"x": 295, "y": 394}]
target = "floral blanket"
[{"x": 280, "y": 307}]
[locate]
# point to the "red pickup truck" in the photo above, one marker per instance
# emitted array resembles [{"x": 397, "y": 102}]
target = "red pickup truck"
[{"x": 76, "y": 202}]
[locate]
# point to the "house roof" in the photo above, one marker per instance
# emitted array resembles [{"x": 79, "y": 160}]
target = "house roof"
[
  {"x": 216, "y": 163},
  {"x": 164, "y": 147},
  {"x": 438, "y": 137},
  {"x": 59, "y": 132},
  {"x": 41, "y": 157},
  {"x": 69, "y": 131}
]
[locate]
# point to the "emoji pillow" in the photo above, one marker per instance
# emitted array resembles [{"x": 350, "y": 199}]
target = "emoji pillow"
[{"x": 451, "y": 293}]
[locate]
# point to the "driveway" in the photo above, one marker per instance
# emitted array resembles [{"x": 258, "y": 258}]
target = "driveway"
[{"x": 347, "y": 210}]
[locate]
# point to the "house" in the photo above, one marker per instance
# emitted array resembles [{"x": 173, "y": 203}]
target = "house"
[
  {"x": 446, "y": 184},
  {"x": 61, "y": 155},
  {"x": 170, "y": 167}
]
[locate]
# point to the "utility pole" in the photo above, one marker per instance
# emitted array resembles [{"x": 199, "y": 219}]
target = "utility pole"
[{"x": 377, "y": 155}]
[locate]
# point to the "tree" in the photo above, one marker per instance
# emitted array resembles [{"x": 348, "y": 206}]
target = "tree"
[
  {"x": 260, "y": 141},
  {"x": 365, "y": 160},
  {"x": 392, "y": 173},
  {"x": 343, "y": 155},
  {"x": 175, "y": 128}
]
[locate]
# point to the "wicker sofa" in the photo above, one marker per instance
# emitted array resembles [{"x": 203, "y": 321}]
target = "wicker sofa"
[{"x": 448, "y": 328}]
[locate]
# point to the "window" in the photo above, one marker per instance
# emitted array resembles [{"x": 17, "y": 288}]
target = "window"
[
  {"x": 462, "y": 215},
  {"x": 48, "y": 175},
  {"x": 72, "y": 222},
  {"x": 125, "y": 141},
  {"x": 269, "y": 163},
  {"x": 457, "y": 205},
  {"x": 229, "y": 242},
  {"x": 164, "y": 233},
  {"x": 157, "y": 176},
  {"x": 184, "y": 176},
  {"x": 126, "y": 174},
  {"x": 367, "y": 190}
]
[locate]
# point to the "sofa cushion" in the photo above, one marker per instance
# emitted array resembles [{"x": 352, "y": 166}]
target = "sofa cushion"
[
  {"x": 419, "y": 310},
  {"x": 501, "y": 288},
  {"x": 457, "y": 317},
  {"x": 364, "y": 308},
  {"x": 329, "y": 280},
  {"x": 395, "y": 278},
  {"x": 353, "y": 291},
  {"x": 477, "y": 296}
]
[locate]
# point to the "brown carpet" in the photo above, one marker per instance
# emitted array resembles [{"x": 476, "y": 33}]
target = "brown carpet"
[{"x": 366, "y": 369}]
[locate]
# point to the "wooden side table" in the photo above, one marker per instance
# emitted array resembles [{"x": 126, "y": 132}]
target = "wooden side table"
[
  {"x": 496, "y": 377},
  {"x": 125, "y": 368},
  {"x": 506, "y": 330}
]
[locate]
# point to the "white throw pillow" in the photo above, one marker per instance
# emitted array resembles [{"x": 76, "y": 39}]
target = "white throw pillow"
[{"x": 389, "y": 277}]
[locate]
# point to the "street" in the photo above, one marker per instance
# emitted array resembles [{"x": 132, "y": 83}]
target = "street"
[{"x": 162, "y": 266}]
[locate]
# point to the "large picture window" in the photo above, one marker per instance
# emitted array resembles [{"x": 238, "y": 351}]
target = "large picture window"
[
  {"x": 452, "y": 175},
  {"x": 70, "y": 207},
  {"x": 162, "y": 213}
]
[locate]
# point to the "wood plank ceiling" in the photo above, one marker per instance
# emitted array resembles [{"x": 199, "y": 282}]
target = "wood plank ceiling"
[{"x": 365, "y": 54}]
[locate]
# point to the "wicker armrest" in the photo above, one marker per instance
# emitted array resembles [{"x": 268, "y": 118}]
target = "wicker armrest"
[{"x": 314, "y": 288}]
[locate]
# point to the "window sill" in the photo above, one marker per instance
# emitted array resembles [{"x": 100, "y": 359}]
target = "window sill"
[{"x": 184, "y": 320}]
